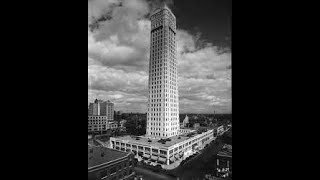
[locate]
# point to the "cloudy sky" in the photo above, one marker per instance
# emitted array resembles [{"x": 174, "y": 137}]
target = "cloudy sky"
[{"x": 118, "y": 53}]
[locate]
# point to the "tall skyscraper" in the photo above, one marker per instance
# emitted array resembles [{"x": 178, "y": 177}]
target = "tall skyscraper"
[
  {"x": 163, "y": 100},
  {"x": 163, "y": 104}
]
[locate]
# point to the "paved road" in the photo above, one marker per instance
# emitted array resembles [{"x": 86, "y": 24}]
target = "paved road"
[
  {"x": 199, "y": 166},
  {"x": 150, "y": 175}
]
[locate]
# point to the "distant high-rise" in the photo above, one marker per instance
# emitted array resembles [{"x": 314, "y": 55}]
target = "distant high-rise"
[
  {"x": 107, "y": 109},
  {"x": 100, "y": 115},
  {"x": 101, "y": 108},
  {"x": 163, "y": 101}
]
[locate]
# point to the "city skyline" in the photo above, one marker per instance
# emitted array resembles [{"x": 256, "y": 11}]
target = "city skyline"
[{"x": 118, "y": 58}]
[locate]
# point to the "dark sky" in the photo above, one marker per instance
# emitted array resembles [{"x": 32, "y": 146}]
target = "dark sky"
[{"x": 210, "y": 17}]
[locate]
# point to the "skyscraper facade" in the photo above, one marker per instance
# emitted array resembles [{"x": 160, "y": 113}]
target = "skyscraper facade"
[{"x": 163, "y": 100}]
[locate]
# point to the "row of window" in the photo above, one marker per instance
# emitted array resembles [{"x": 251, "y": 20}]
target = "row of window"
[
  {"x": 159, "y": 124},
  {"x": 168, "y": 74},
  {"x": 165, "y": 100},
  {"x": 157, "y": 95},
  {"x": 97, "y": 117},
  {"x": 151, "y": 118},
  {"x": 158, "y": 64},
  {"x": 167, "y": 114},
  {"x": 99, "y": 121},
  {"x": 159, "y": 54},
  {"x": 164, "y": 109},
  {"x": 163, "y": 134},
  {"x": 162, "y": 56},
  {"x": 147, "y": 149},
  {"x": 153, "y": 129},
  {"x": 163, "y": 85},
  {"x": 172, "y": 85},
  {"x": 166, "y": 92}
]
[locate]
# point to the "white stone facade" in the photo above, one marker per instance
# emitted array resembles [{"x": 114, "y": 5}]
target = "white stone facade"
[
  {"x": 162, "y": 154},
  {"x": 163, "y": 99}
]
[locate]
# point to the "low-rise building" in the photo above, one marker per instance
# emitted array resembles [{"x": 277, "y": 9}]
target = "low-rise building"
[
  {"x": 97, "y": 123},
  {"x": 109, "y": 164},
  {"x": 163, "y": 151}
]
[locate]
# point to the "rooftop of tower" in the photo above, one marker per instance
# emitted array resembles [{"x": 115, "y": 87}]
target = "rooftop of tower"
[{"x": 161, "y": 7}]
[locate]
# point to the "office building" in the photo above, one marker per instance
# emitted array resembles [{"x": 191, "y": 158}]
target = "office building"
[
  {"x": 163, "y": 105},
  {"x": 97, "y": 123},
  {"x": 100, "y": 115},
  {"x": 102, "y": 108}
]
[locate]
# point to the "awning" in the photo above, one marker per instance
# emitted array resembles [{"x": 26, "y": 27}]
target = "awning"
[
  {"x": 154, "y": 158},
  {"x": 146, "y": 155},
  {"x": 162, "y": 159},
  {"x": 176, "y": 156},
  {"x": 172, "y": 159}
]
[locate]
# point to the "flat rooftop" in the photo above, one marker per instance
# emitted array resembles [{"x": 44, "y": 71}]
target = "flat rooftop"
[
  {"x": 99, "y": 155},
  {"x": 154, "y": 142}
]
